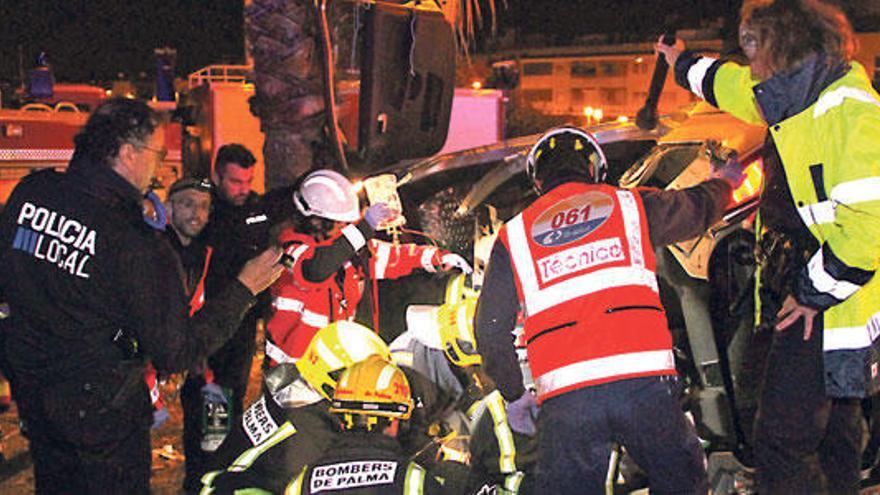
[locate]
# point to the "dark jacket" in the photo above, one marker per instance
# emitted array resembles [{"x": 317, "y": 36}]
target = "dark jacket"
[
  {"x": 672, "y": 216},
  {"x": 94, "y": 291},
  {"x": 361, "y": 463},
  {"x": 238, "y": 233}
]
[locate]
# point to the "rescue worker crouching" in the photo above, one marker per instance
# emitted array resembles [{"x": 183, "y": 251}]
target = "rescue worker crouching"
[
  {"x": 289, "y": 426},
  {"x": 332, "y": 256},
  {"x": 580, "y": 262},
  {"x": 371, "y": 399},
  {"x": 440, "y": 346}
]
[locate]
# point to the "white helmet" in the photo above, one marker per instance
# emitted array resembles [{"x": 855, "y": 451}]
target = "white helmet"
[{"x": 327, "y": 194}]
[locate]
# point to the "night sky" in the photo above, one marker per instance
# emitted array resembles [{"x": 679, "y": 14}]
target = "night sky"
[{"x": 94, "y": 40}]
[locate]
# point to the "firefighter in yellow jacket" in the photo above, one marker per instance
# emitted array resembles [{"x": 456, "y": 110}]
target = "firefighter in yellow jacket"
[{"x": 820, "y": 218}]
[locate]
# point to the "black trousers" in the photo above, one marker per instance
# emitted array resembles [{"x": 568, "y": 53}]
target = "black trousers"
[
  {"x": 576, "y": 430},
  {"x": 79, "y": 445},
  {"x": 805, "y": 442}
]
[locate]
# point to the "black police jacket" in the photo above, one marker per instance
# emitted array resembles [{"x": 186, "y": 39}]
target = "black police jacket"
[
  {"x": 238, "y": 233},
  {"x": 90, "y": 285}
]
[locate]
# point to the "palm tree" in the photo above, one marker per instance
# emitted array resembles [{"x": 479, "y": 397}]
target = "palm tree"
[{"x": 285, "y": 42}]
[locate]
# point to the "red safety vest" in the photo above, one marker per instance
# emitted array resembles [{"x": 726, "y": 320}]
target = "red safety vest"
[
  {"x": 586, "y": 278},
  {"x": 303, "y": 307},
  {"x": 196, "y": 301}
]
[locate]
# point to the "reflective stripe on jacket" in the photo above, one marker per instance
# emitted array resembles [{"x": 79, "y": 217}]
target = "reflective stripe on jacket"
[
  {"x": 585, "y": 275},
  {"x": 830, "y": 151},
  {"x": 303, "y": 307}
]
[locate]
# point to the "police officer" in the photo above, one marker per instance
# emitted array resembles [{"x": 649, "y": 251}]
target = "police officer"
[
  {"x": 580, "y": 261},
  {"x": 93, "y": 291},
  {"x": 820, "y": 209},
  {"x": 289, "y": 425},
  {"x": 372, "y": 397},
  {"x": 239, "y": 226}
]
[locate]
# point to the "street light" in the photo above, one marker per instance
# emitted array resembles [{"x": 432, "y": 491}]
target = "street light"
[{"x": 593, "y": 114}]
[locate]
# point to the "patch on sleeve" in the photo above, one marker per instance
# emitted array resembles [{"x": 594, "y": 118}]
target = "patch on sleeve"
[
  {"x": 348, "y": 475},
  {"x": 258, "y": 423}
]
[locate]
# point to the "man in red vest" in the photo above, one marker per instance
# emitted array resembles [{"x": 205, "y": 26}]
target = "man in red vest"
[{"x": 580, "y": 263}]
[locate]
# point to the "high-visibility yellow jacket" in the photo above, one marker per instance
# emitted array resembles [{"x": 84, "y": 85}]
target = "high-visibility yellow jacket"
[{"x": 828, "y": 139}]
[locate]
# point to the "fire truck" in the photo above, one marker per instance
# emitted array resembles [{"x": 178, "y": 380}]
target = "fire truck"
[{"x": 39, "y": 134}]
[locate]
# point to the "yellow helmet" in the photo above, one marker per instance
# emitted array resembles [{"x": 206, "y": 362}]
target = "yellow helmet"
[
  {"x": 456, "y": 321},
  {"x": 372, "y": 388},
  {"x": 333, "y": 349}
]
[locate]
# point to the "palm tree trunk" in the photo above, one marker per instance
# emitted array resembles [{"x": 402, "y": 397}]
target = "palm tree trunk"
[{"x": 289, "y": 88}]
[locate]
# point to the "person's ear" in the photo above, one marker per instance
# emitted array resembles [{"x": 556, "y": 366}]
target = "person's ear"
[
  {"x": 215, "y": 177},
  {"x": 127, "y": 152}
]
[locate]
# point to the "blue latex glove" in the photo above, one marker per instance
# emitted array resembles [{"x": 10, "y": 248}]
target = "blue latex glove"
[
  {"x": 378, "y": 214},
  {"x": 160, "y": 416},
  {"x": 211, "y": 392},
  {"x": 521, "y": 414}
]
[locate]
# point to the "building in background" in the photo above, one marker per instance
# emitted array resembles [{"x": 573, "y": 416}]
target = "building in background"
[{"x": 594, "y": 82}]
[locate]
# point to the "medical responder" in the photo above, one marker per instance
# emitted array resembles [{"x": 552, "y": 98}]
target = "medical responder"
[
  {"x": 819, "y": 218},
  {"x": 371, "y": 399},
  {"x": 580, "y": 261},
  {"x": 241, "y": 223},
  {"x": 94, "y": 291},
  {"x": 439, "y": 344},
  {"x": 289, "y": 426},
  {"x": 335, "y": 260},
  {"x": 187, "y": 208}
]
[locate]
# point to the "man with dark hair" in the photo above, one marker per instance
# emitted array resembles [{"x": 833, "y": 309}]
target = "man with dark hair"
[
  {"x": 239, "y": 226},
  {"x": 189, "y": 206},
  {"x": 580, "y": 263},
  {"x": 93, "y": 293},
  {"x": 820, "y": 214}
]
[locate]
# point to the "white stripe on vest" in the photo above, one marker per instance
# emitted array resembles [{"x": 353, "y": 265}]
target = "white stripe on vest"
[
  {"x": 604, "y": 367},
  {"x": 537, "y": 299}
]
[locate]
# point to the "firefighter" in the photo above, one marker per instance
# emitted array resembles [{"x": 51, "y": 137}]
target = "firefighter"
[
  {"x": 333, "y": 259},
  {"x": 371, "y": 399},
  {"x": 289, "y": 426},
  {"x": 819, "y": 218},
  {"x": 442, "y": 348},
  {"x": 580, "y": 261}
]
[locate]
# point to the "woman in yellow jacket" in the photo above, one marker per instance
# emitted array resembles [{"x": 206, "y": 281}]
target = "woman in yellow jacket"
[{"x": 821, "y": 199}]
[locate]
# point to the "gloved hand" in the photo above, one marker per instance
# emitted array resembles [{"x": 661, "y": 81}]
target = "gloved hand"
[
  {"x": 450, "y": 261},
  {"x": 521, "y": 414},
  {"x": 160, "y": 416},
  {"x": 378, "y": 214},
  {"x": 213, "y": 393},
  {"x": 729, "y": 170}
]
